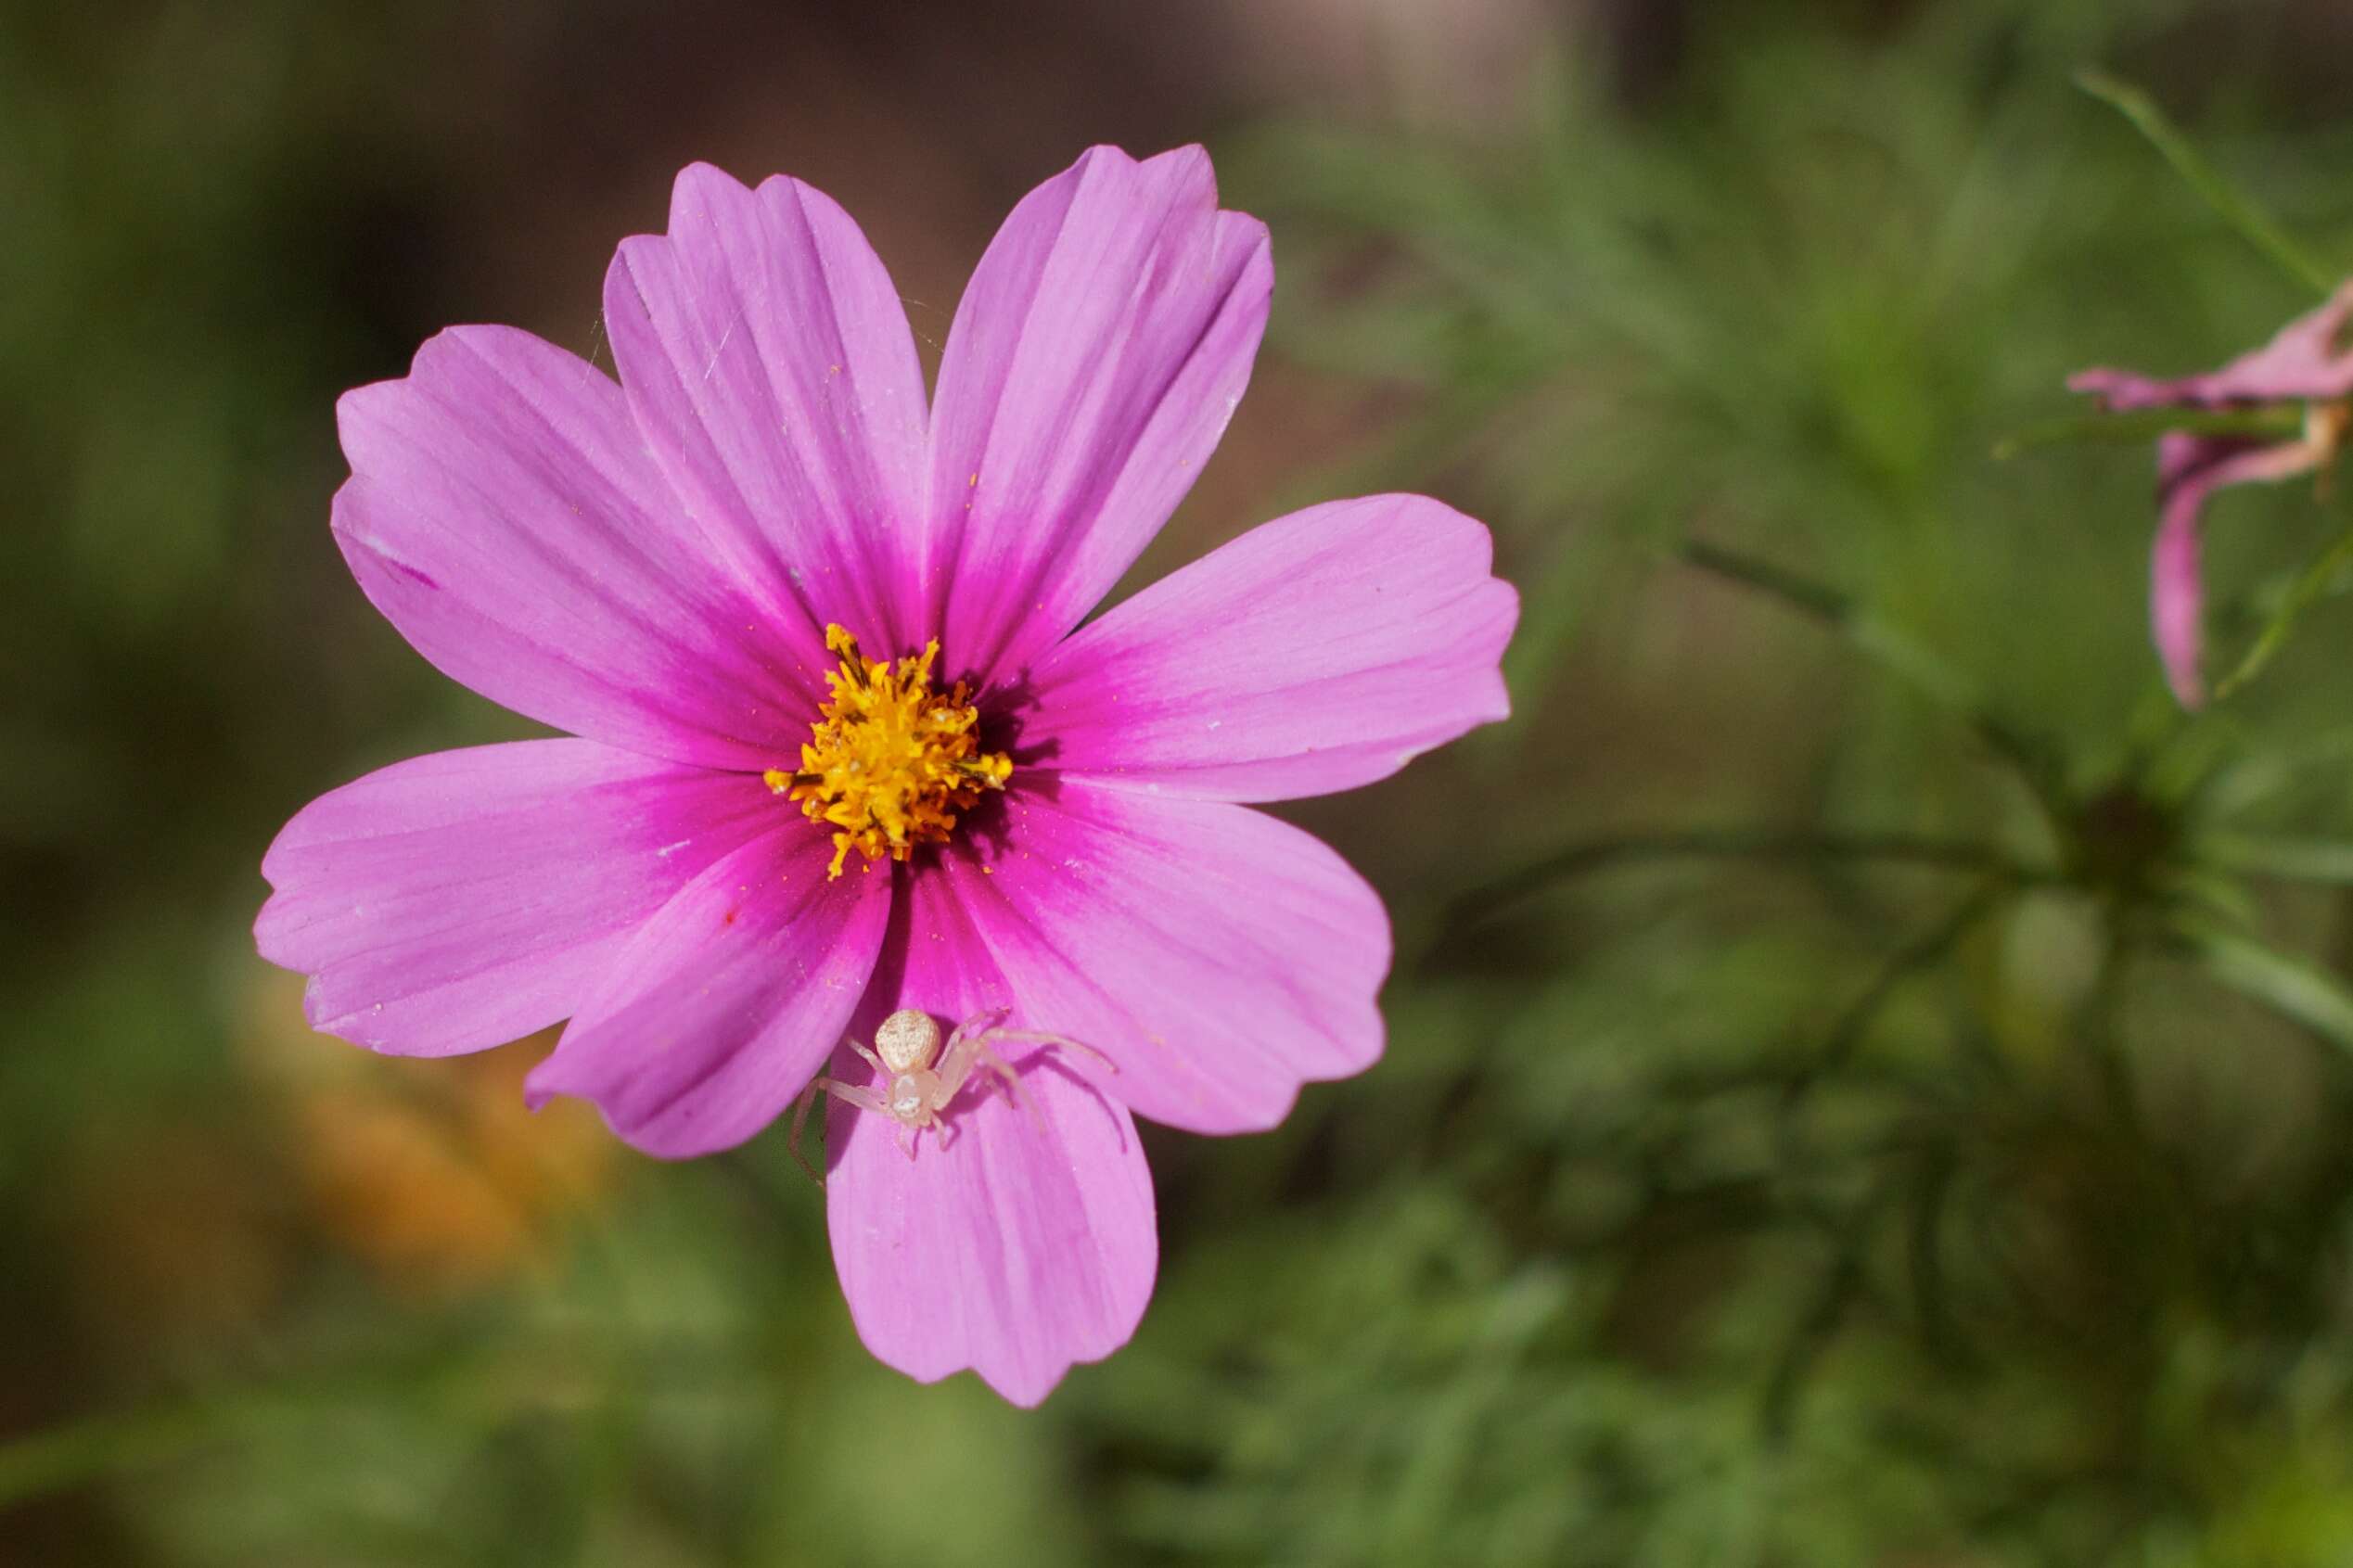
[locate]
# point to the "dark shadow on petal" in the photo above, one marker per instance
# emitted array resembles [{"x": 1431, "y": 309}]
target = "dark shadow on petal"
[
  {"x": 1049, "y": 1058},
  {"x": 1005, "y": 713},
  {"x": 986, "y": 832}
]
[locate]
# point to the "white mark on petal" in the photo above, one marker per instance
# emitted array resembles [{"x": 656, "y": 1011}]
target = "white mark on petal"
[{"x": 722, "y": 346}]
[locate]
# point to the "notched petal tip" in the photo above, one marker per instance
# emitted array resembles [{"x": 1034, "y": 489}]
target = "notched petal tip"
[
  {"x": 1254, "y": 288},
  {"x": 1497, "y": 609},
  {"x": 1183, "y": 161},
  {"x": 702, "y": 171},
  {"x": 700, "y": 184},
  {"x": 470, "y": 346}
]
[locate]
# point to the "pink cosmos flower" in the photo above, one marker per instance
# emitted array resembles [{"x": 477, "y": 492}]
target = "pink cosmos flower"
[
  {"x": 2306, "y": 363},
  {"x": 844, "y": 747}
]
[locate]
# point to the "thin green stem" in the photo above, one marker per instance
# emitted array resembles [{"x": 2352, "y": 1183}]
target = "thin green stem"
[
  {"x": 1816, "y": 1327},
  {"x": 1898, "y": 652},
  {"x": 1890, "y": 849},
  {"x": 1819, "y": 600},
  {"x": 1847, "y": 1033},
  {"x": 2139, "y": 426},
  {"x": 2252, "y": 223},
  {"x": 2102, "y": 1030},
  {"x": 2321, "y": 575}
]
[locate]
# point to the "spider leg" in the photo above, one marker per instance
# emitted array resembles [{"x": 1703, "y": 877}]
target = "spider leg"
[
  {"x": 1003, "y": 1069},
  {"x": 942, "y": 1134},
  {"x": 1061, "y": 1042},
  {"x": 965, "y": 1052},
  {"x": 955, "y": 1063},
  {"x": 986, "y": 1015},
  {"x": 849, "y": 1094},
  {"x": 955, "y": 1053},
  {"x": 872, "y": 1060},
  {"x": 799, "y": 1119}
]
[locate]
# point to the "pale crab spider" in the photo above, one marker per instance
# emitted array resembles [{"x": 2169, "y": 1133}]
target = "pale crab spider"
[{"x": 906, "y": 1046}]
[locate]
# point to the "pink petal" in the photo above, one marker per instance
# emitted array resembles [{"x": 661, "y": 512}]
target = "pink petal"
[
  {"x": 1322, "y": 651},
  {"x": 2190, "y": 470},
  {"x": 2307, "y": 361},
  {"x": 502, "y": 513},
  {"x": 767, "y": 360},
  {"x": 1219, "y": 957},
  {"x": 456, "y": 901},
  {"x": 1097, "y": 356},
  {"x": 1021, "y": 1242},
  {"x": 727, "y": 1001}
]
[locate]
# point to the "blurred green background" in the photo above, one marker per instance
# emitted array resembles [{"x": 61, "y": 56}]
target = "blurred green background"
[{"x": 1868, "y": 1080}]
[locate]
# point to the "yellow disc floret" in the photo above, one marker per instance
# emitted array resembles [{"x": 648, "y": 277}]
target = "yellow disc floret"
[{"x": 890, "y": 761}]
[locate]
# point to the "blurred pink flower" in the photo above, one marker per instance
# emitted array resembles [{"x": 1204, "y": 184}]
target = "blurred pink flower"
[
  {"x": 676, "y": 570},
  {"x": 2307, "y": 363}
]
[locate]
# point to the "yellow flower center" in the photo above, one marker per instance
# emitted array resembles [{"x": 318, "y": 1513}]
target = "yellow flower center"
[{"x": 889, "y": 762}]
